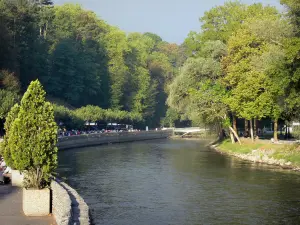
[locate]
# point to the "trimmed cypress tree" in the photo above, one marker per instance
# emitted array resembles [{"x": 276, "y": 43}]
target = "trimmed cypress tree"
[{"x": 33, "y": 137}]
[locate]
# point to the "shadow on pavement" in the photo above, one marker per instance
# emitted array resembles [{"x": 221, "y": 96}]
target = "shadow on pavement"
[{"x": 6, "y": 190}]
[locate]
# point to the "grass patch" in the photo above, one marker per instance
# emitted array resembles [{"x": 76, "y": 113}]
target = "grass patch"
[
  {"x": 227, "y": 146},
  {"x": 247, "y": 146},
  {"x": 289, "y": 152}
]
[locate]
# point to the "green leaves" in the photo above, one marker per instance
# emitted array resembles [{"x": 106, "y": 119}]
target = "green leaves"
[
  {"x": 76, "y": 119},
  {"x": 82, "y": 60},
  {"x": 293, "y": 12},
  {"x": 244, "y": 62},
  {"x": 9, "y": 92},
  {"x": 31, "y": 135},
  {"x": 7, "y": 100}
]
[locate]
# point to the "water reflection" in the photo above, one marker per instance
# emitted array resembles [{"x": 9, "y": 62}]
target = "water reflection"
[{"x": 179, "y": 182}]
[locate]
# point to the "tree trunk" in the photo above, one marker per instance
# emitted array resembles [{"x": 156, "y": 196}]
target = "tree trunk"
[
  {"x": 246, "y": 133},
  {"x": 231, "y": 137},
  {"x": 220, "y": 132},
  {"x": 235, "y": 134},
  {"x": 234, "y": 123},
  {"x": 251, "y": 130},
  {"x": 275, "y": 130},
  {"x": 255, "y": 127}
]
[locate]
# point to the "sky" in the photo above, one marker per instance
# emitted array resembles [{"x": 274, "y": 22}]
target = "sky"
[{"x": 170, "y": 19}]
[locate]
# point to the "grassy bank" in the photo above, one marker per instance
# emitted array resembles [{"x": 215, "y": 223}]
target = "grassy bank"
[{"x": 263, "y": 151}]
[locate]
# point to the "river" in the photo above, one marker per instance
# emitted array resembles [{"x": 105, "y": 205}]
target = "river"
[{"x": 179, "y": 182}]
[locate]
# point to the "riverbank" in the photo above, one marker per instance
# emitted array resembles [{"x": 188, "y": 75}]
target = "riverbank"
[
  {"x": 87, "y": 140},
  {"x": 179, "y": 177},
  {"x": 286, "y": 156}
]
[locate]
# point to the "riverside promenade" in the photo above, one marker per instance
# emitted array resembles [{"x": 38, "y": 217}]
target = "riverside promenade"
[
  {"x": 11, "y": 209},
  {"x": 86, "y": 140}
]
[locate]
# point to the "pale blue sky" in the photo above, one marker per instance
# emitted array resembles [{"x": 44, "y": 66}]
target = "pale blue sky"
[{"x": 170, "y": 19}]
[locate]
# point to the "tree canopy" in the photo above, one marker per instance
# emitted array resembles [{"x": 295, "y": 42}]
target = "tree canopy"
[
  {"x": 82, "y": 60},
  {"x": 243, "y": 63}
]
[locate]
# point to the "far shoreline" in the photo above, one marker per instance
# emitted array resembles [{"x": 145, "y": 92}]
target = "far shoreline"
[{"x": 258, "y": 156}]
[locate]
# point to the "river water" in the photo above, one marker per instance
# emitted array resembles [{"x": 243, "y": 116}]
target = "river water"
[{"x": 179, "y": 182}]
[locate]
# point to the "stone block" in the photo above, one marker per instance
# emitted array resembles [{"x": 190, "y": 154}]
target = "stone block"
[
  {"x": 36, "y": 202},
  {"x": 17, "y": 178}
]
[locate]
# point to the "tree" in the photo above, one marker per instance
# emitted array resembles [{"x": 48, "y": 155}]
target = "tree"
[
  {"x": 33, "y": 136},
  {"x": 7, "y": 100},
  {"x": 157, "y": 39},
  {"x": 79, "y": 61},
  {"x": 67, "y": 118},
  {"x": 82, "y": 60},
  {"x": 141, "y": 91},
  {"x": 194, "y": 71},
  {"x": 5, "y": 147},
  {"x": 117, "y": 47},
  {"x": 255, "y": 69},
  {"x": 221, "y": 21},
  {"x": 293, "y": 7},
  {"x": 170, "y": 119},
  {"x": 174, "y": 54},
  {"x": 161, "y": 72},
  {"x": 90, "y": 113},
  {"x": 192, "y": 44},
  {"x": 292, "y": 50},
  {"x": 9, "y": 92}
]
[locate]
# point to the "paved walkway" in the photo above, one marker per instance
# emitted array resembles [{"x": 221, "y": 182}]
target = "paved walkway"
[{"x": 11, "y": 209}]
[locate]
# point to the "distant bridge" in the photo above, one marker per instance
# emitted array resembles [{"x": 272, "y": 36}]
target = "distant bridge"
[{"x": 187, "y": 130}]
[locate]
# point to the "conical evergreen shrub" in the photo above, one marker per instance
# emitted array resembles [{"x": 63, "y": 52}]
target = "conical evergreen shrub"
[{"x": 33, "y": 136}]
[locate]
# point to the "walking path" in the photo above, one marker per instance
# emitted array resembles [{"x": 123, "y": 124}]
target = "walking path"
[{"x": 11, "y": 209}]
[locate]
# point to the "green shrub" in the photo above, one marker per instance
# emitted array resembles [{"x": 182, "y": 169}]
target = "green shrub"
[
  {"x": 68, "y": 117},
  {"x": 296, "y": 132},
  {"x": 6, "y": 151},
  {"x": 33, "y": 136}
]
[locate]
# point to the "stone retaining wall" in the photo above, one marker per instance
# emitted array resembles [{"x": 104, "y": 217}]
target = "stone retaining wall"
[
  {"x": 106, "y": 138},
  {"x": 68, "y": 207},
  {"x": 61, "y": 204}
]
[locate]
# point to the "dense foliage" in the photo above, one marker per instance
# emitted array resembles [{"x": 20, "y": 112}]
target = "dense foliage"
[
  {"x": 243, "y": 63},
  {"x": 31, "y": 141},
  {"x": 77, "y": 119},
  {"x": 5, "y": 147},
  {"x": 81, "y": 60}
]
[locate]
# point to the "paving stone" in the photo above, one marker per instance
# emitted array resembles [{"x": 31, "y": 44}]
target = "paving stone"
[{"x": 11, "y": 212}]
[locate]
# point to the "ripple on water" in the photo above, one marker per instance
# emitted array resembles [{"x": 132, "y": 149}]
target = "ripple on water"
[{"x": 179, "y": 182}]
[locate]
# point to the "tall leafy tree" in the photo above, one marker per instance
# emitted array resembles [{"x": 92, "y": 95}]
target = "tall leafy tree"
[
  {"x": 293, "y": 7},
  {"x": 255, "y": 73},
  {"x": 117, "y": 48}
]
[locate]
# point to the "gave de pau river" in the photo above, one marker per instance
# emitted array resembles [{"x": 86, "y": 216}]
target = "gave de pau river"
[{"x": 179, "y": 182}]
